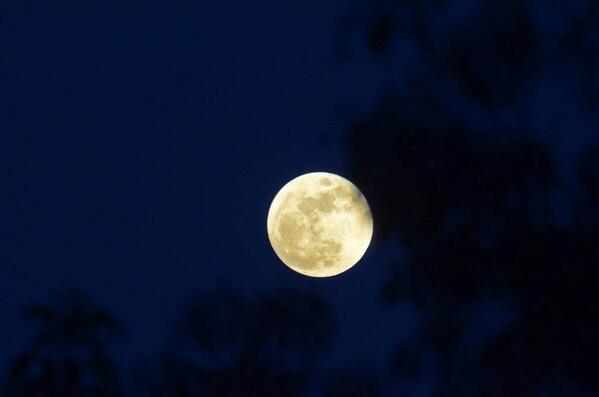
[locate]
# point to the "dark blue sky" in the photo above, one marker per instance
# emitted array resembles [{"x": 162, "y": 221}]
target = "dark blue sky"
[
  {"x": 140, "y": 150},
  {"x": 141, "y": 147}
]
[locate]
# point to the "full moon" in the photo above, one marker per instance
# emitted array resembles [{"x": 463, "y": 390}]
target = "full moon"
[{"x": 319, "y": 224}]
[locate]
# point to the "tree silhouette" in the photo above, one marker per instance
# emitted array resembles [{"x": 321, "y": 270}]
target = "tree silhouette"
[
  {"x": 229, "y": 345},
  {"x": 502, "y": 258},
  {"x": 68, "y": 356},
  {"x": 357, "y": 382}
]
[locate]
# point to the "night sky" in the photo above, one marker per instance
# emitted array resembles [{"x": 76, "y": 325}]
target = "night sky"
[
  {"x": 140, "y": 150},
  {"x": 141, "y": 146}
]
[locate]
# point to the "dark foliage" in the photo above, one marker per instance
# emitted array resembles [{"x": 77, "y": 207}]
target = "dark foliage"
[
  {"x": 230, "y": 345},
  {"x": 480, "y": 211},
  {"x": 69, "y": 355}
]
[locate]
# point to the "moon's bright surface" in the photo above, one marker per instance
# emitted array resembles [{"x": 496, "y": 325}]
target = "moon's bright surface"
[{"x": 319, "y": 224}]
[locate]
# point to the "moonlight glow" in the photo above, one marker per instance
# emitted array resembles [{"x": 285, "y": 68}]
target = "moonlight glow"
[{"x": 319, "y": 224}]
